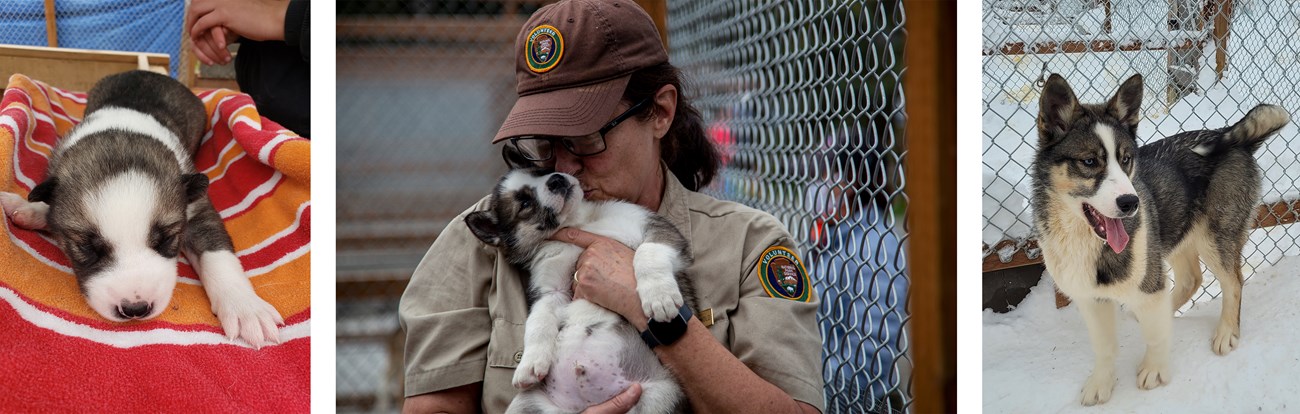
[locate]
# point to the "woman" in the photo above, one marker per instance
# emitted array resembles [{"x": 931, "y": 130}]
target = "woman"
[{"x": 596, "y": 74}]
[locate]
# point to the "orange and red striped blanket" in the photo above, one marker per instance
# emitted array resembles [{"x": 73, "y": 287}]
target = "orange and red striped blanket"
[{"x": 56, "y": 353}]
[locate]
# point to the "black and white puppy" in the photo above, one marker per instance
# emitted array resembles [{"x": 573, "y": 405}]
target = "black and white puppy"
[
  {"x": 123, "y": 200},
  {"x": 582, "y": 354}
]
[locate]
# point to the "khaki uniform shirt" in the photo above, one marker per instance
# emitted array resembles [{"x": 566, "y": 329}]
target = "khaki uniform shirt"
[{"x": 464, "y": 309}]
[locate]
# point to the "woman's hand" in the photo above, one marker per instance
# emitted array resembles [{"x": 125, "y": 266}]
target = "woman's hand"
[{"x": 605, "y": 275}]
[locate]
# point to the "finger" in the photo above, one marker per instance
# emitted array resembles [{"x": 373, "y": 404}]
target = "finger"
[
  {"x": 204, "y": 48},
  {"x": 214, "y": 53},
  {"x": 621, "y": 403},
  {"x": 576, "y": 237},
  {"x": 219, "y": 36},
  {"x": 205, "y": 22}
]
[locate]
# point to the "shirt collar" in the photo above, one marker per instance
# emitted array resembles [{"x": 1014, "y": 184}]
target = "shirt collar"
[{"x": 673, "y": 203}]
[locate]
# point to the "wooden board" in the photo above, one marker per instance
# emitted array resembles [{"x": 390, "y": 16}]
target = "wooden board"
[{"x": 74, "y": 69}]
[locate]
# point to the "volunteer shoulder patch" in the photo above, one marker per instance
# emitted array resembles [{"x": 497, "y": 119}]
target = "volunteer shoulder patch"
[
  {"x": 544, "y": 49},
  {"x": 783, "y": 275}
]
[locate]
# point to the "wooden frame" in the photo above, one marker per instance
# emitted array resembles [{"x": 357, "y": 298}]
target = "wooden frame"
[{"x": 74, "y": 69}]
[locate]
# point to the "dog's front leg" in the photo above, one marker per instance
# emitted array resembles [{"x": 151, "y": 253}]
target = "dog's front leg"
[
  {"x": 242, "y": 313},
  {"x": 1099, "y": 315},
  {"x": 655, "y": 264},
  {"x": 1154, "y": 316},
  {"x": 552, "y": 286}
]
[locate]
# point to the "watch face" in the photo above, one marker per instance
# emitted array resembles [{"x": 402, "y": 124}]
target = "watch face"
[{"x": 668, "y": 332}]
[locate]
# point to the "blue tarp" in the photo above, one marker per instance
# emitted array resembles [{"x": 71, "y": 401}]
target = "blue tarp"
[{"x": 125, "y": 25}]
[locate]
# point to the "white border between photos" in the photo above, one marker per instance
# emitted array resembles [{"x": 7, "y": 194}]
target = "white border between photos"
[
  {"x": 969, "y": 270},
  {"x": 323, "y": 174}
]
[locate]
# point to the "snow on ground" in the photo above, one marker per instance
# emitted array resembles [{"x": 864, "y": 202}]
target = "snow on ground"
[{"x": 1037, "y": 357}]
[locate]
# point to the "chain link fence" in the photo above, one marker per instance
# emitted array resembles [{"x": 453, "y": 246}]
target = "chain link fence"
[
  {"x": 804, "y": 99},
  {"x": 123, "y": 25},
  {"x": 1205, "y": 64}
]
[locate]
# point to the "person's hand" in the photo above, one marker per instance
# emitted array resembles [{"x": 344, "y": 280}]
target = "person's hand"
[
  {"x": 621, "y": 403},
  {"x": 212, "y": 24},
  {"x": 605, "y": 274}
]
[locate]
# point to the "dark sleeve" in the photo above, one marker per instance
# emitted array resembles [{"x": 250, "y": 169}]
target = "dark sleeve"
[{"x": 297, "y": 27}]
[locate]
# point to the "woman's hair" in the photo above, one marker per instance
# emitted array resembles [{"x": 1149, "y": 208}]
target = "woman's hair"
[{"x": 690, "y": 155}]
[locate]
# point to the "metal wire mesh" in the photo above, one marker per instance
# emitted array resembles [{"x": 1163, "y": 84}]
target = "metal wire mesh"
[
  {"x": 805, "y": 100},
  {"x": 123, "y": 25},
  {"x": 1175, "y": 47}
]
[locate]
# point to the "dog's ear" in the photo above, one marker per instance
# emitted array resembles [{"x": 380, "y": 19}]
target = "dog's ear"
[
  {"x": 1057, "y": 109},
  {"x": 44, "y": 192},
  {"x": 514, "y": 158},
  {"x": 1126, "y": 105},
  {"x": 196, "y": 186},
  {"x": 484, "y": 226}
]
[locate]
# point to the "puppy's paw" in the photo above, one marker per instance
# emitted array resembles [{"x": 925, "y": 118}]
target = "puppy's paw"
[
  {"x": 1097, "y": 389},
  {"x": 1225, "y": 339},
  {"x": 1152, "y": 375},
  {"x": 531, "y": 371},
  {"x": 24, "y": 214},
  {"x": 248, "y": 317},
  {"x": 660, "y": 299}
]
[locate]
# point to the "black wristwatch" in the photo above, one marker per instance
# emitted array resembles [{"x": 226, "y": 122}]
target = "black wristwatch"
[{"x": 665, "y": 333}]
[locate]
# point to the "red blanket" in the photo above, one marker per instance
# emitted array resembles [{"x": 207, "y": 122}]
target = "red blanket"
[{"x": 57, "y": 354}]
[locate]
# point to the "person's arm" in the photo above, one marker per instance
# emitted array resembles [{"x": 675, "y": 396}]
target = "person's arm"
[
  {"x": 462, "y": 399},
  {"x": 709, "y": 373},
  {"x": 212, "y": 24}
]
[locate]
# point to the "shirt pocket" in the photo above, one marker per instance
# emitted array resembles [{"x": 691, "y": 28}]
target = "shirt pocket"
[{"x": 506, "y": 346}]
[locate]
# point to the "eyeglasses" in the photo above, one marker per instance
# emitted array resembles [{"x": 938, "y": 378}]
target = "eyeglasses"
[{"x": 537, "y": 148}]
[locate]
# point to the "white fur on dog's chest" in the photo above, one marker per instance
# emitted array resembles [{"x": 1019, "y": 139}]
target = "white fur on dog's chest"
[{"x": 1071, "y": 258}]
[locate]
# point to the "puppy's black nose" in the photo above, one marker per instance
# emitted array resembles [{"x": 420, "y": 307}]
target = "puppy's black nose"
[
  {"x": 134, "y": 310},
  {"x": 1127, "y": 203},
  {"x": 557, "y": 184}
]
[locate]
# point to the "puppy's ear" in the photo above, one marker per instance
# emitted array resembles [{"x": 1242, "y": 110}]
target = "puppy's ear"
[
  {"x": 484, "y": 226},
  {"x": 515, "y": 159},
  {"x": 44, "y": 191},
  {"x": 196, "y": 186},
  {"x": 1057, "y": 109},
  {"x": 1126, "y": 105}
]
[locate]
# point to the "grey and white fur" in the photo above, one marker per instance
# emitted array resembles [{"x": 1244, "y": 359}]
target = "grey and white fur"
[
  {"x": 1186, "y": 198},
  {"x": 123, "y": 201},
  {"x": 577, "y": 354}
]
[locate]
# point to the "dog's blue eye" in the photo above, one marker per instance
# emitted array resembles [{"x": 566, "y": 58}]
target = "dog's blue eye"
[
  {"x": 1089, "y": 161},
  {"x": 526, "y": 204}
]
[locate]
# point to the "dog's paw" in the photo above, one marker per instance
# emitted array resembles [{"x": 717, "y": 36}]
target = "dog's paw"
[
  {"x": 1225, "y": 340},
  {"x": 660, "y": 300},
  {"x": 248, "y": 317},
  {"x": 1097, "y": 389},
  {"x": 22, "y": 213},
  {"x": 1152, "y": 375},
  {"x": 531, "y": 371}
]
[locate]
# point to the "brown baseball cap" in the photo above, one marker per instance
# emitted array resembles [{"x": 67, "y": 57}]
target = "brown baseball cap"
[{"x": 573, "y": 60}]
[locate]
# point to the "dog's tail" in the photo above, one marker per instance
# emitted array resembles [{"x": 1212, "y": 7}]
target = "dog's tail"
[{"x": 1250, "y": 132}]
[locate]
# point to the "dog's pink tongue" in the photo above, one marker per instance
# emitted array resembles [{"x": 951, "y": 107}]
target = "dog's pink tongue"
[{"x": 1116, "y": 237}]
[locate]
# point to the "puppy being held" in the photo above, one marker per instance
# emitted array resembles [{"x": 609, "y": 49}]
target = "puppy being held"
[{"x": 578, "y": 354}]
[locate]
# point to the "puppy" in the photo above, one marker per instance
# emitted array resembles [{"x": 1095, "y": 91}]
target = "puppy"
[
  {"x": 595, "y": 352},
  {"x": 123, "y": 201}
]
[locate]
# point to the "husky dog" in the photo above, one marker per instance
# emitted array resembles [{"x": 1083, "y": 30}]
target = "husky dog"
[
  {"x": 1109, "y": 213},
  {"x": 123, "y": 200},
  {"x": 581, "y": 353}
]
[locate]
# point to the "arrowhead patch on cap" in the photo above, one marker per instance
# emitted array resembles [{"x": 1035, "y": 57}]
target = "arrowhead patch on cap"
[
  {"x": 544, "y": 49},
  {"x": 783, "y": 275}
]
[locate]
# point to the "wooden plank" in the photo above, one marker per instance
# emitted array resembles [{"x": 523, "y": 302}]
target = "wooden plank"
[
  {"x": 658, "y": 11},
  {"x": 1266, "y": 215},
  {"x": 1222, "y": 19},
  {"x": 51, "y": 26},
  {"x": 73, "y": 69},
  {"x": 1078, "y": 46},
  {"x": 931, "y": 161}
]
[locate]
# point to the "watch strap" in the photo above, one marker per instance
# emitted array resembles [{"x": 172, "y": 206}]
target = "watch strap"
[{"x": 684, "y": 314}]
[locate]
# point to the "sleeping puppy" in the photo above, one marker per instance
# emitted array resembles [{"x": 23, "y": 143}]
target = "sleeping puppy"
[
  {"x": 578, "y": 354},
  {"x": 123, "y": 201}
]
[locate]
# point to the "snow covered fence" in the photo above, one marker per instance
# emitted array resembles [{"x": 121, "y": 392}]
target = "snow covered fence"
[
  {"x": 1205, "y": 63},
  {"x": 806, "y": 103}
]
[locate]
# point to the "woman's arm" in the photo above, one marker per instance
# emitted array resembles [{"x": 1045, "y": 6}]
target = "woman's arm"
[
  {"x": 462, "y": 399},
  {"x": 709, "y": 372}
]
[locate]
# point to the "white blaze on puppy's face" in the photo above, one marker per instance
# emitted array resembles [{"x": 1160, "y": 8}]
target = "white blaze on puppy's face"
[
  {"x": 1115, "y": 182},
  {"x": 124, "y": 212}
]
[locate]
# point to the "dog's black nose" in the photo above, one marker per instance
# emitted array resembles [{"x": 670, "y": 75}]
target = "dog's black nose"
[
  {"x": 1127, "y": 203},
  {"x": 134, "y": 310},
  {"x": 557, "y": 183}
]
